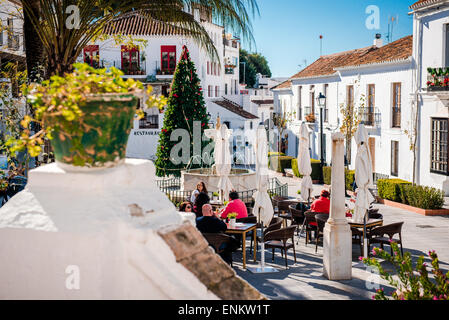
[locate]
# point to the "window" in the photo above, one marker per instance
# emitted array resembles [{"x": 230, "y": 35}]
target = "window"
[
  {"x": 236, "y": 87},
  {"x": 394, "y": 158},
  {"x": 208, "y": 68},
  {"x": 299, "y": 103},
  {"x": 92, "y": 55},
  {"x": 168, "y": 59},
  {"x": 10, "y": 31},
  {"x": 312, "y": 99},
  {"x": 130, "y": 59},
  {"x": 439, "y": 145},
  {"x": 350, "y": 96},
  {"x": 209, "y": 91},
  {"x": 396, "y": 111},
  {"x": 226, "y": 88},
  {"x": 149, "y": 121},
  {"x": 446, "y": 49},
  {"x": 326, "y": 108},
  {"x": 228, "y": 124},
  {"x": 216, "y": 91},
  {"x": 368, "y": 116}
]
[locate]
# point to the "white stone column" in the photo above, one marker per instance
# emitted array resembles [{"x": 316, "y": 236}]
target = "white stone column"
[{"x": 337, "y": 258}]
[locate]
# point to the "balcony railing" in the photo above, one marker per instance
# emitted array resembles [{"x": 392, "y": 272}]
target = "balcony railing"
[{"x": 371, "y": 117}]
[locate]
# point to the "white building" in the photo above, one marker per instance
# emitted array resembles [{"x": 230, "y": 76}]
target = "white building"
[
  {"x": 12, "y": 46},
  {"x": 154, "y": 61},
  {"x": 431, "y": 50},
  {"x": 375, "y": 80}
]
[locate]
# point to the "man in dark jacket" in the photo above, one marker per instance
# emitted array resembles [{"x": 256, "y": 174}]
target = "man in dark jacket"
[{"x": 210, "y": 223}]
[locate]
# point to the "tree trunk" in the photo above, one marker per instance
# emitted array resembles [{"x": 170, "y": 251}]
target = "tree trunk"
[{"x": 34, "y": 50}]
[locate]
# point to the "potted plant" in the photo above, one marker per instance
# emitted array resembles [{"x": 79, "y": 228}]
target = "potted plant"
[
  {"x": 87, "y": 115},
  {"x": 215, "y": 196},
  {"x": 232, "y": 219}
]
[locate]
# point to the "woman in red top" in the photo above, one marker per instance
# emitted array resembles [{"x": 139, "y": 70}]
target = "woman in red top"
[{"x": 323, "y": 204}]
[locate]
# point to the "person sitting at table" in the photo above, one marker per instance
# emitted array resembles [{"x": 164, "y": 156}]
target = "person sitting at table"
[
  {"x": 186, "y": 207},
  {"x": 235, "y": 205},
  {"x": 200, "y": 187},
  {"x": 210, "y": 223},
  {"x": 322, "y": 204},
  {"x": 200, "y": 201}
]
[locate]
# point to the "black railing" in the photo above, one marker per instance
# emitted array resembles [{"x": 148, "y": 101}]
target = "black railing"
[
  {"x": 149, "y": 122},
  {"x": 172, "y": 188},
  {"x": 371, "y": 117}
]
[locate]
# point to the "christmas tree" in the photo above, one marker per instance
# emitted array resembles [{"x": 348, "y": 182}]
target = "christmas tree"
[{"x": 185, "y": 110}]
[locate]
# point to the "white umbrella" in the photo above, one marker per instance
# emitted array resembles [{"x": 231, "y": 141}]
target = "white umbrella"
[
  {"x": 304, "y": 165},
  {"x": 263, "y": 208},
  {"x": 363, "y": 179},
  {"x": 363, "y": 174},
  {"x": 222, "y": 156},
  {"x": 262, "y": 204}
]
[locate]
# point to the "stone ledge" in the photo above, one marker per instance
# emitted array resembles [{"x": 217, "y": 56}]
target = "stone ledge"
[{"x": 193, "y": 252}]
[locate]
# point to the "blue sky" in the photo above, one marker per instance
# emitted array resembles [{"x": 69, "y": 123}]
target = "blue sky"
[{"x": 287, "y": 31}]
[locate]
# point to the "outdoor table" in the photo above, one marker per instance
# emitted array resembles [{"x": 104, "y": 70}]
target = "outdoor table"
[
  {"x": 243, "y": 229},
  {"x": 371, "y": 223},
  {"x": 216, "y": 204}
]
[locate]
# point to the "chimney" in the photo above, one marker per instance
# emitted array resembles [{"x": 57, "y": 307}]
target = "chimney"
[{"x": 378, "y": 40}]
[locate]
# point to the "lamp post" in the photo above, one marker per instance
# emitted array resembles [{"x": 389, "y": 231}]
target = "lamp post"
[{"x": 321, "y": 101}]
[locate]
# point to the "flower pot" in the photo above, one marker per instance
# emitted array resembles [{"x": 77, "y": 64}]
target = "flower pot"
[
  {"x": 232, "y": 223},
  {"x": 106, "y": 125}
]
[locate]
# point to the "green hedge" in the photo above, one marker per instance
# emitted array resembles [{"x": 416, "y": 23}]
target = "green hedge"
[
  {"x": 402, "y": 191},
  {"x": 390, "y": 189},
  {"x": 315, "y": 168},
  {"x": 422, "y": 197},
  {"x": 276, "y": 154},
  {"x": 349, "y": 177},
  {"x": 285, "y": 162}
]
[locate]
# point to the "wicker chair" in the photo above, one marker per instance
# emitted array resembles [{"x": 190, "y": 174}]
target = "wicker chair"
[
  {"x": 321, "y": 219},
  {"x": 310, "y": 224},
  {"x": 278, "y": 239},
  {"x": 357, "y": 238},
  {"x": 376, "y": 235},
  {"x": 275, "y": 224},
  {"x": 276, "y": 201},
  {"x": 217, "y": 240}
]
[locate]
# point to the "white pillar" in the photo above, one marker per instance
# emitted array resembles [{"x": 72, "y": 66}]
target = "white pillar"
[{"x": 337, "y": 258}]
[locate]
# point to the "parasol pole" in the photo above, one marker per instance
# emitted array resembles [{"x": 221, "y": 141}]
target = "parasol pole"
[
  {"x": 262, "y": 268},
  {"x": 365, "y": 239}
]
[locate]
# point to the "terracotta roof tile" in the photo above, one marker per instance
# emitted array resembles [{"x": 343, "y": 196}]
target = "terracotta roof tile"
[
  {"x": 284, "y": 85},
  {"x": 326, "y": 65},
  {"x": 140, "y": 24},
  {"x": 235, "y": 108},
  {"x": 423, "y": 3}
]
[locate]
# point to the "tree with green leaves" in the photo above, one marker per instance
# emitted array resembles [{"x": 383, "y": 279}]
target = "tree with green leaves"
[
  {"x": 65, "y": 27},
  {"x": 254, "y": 63},
  {"x": 185, "y": 110}
]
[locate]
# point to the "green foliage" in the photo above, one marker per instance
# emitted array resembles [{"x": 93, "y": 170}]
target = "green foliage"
[
  {"x": 232, "y": 215},
  {"x": 185, "y": 106},
  {"x": 316, "y": 168},
  {"x": 280, "y": 163},
  {"x": 390, "y": 189},
  {"x": 327, "y": 175},
  {"x": 295, "y": 168},
  {"x": 411, "y": 282},
  {"x": 349, "y": 177},
  {"x": 422, "y": 197},
  {"x": 254, "y": 63},
  {"x": 58, "y": 102}
]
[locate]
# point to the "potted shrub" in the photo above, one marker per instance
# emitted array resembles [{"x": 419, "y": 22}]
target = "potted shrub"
[
  {"x": 87, "y": 115},
  {"x": 215, "y": 196},
  {"x": 232, "y": 219}
]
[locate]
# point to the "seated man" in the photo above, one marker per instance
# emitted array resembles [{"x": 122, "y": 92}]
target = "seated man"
[
  {"x": 323, "y": 204},
  {"x": 235, "y": 205},
  {"x": 210, "y": 223}
]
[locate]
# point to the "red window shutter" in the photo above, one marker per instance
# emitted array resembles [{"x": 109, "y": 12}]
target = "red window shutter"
[
  {"x": 168, "y": 58},
  {"x": 92, "y": 55}
]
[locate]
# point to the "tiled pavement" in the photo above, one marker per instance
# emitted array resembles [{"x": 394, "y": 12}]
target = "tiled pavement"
[{"x": 304, "y": 279}]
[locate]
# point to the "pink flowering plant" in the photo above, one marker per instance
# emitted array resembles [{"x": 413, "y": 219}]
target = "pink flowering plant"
[{"x": 411, "y": 282}]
